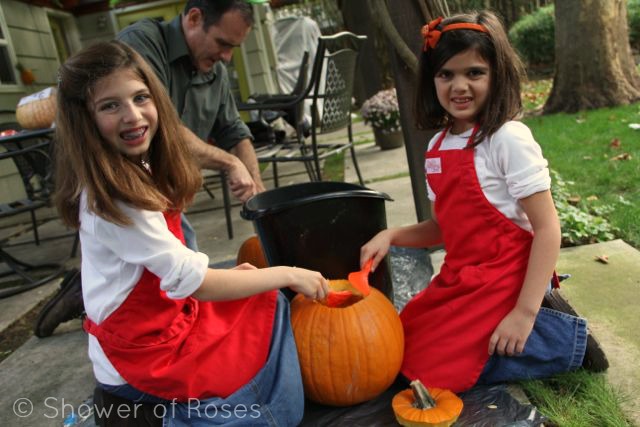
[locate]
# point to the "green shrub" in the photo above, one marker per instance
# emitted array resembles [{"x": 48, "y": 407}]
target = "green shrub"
[
  {"x": 533, "y": 36},
  {"x": 581, "y": 223}
]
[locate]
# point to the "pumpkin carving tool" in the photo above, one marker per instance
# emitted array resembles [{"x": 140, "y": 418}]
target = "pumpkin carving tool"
[{"x": 360, "y": 279}]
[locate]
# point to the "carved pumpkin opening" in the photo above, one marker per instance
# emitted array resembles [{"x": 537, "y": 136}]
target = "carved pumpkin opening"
[{"x": 342, "y": 293}]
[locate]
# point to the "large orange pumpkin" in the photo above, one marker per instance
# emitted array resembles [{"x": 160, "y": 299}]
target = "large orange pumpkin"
[
  {"x": 251, "y": 251},
  {"x": 348, "y": 354}
]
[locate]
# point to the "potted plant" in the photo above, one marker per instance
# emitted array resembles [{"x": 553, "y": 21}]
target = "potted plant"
[{"x": 382, "y": 113}]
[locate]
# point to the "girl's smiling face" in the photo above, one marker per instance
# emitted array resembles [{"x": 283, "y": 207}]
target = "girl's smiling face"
[
  {"x": 125, "y": 113},
  {"x": 462, "y": 86}
]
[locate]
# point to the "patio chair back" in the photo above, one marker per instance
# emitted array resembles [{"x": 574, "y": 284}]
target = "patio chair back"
[
  {"x": 330, "y": 89},
  {"x": 334, "y": 86}
]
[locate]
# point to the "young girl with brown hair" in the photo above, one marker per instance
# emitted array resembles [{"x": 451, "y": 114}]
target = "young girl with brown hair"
[
  {"x": 164, "y": 328},
  {"x": 480, "y": 319}
]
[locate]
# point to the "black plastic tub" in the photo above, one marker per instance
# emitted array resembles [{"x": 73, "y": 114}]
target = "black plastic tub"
[{"x": 320, "y": 226}]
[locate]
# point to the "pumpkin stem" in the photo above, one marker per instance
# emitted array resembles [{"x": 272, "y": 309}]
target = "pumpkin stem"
[{"x": 423, "y": 399}]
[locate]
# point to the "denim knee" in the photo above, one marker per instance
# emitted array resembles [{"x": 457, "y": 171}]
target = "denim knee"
[{"x": 556, "y": 344}]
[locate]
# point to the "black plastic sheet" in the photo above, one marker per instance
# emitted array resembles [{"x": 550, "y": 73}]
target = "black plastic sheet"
[{"x": 484, "y": 406}]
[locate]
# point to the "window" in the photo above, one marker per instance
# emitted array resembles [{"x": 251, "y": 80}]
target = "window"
[
  {"x": 59, "y": 38},
  {"x": 7, "y": 69}
]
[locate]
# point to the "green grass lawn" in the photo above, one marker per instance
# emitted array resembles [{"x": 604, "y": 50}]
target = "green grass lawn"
[
  {"x": 577, "y": 399},
  {"x": 599, "y": 155}
]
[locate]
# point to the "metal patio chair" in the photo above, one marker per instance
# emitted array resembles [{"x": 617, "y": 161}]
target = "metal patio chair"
[{"x": 330, "y": 90}]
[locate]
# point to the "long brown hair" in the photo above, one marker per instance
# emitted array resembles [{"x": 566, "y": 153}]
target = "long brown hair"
[
  {"x": 504, "y": 102},
  {"x": 85, "y": 161}
]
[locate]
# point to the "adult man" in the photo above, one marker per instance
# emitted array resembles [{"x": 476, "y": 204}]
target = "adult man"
[{"x": 188, "y": 55}]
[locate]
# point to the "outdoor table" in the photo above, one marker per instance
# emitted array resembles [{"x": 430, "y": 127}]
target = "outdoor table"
[{"x": 24, "y": 135}]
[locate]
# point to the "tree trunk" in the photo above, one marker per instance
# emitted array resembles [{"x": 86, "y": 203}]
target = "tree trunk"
[
  {"x": 594, "y": 65},
  {"x": 407, "y": 18},
  {"x": 357, "y": 19}
]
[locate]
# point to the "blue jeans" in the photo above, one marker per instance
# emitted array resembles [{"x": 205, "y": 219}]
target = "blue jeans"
[
  {"x": 557, "y": 344},
  {"x": 274, "y": 397},
  {"x": 189, "y": 233}
]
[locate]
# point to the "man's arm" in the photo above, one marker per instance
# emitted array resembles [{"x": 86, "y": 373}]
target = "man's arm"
[
  {"x": 208, "y": 156},
  {"x": 245, "y": 151}
]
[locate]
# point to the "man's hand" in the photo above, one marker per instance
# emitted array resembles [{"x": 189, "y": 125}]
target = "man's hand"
[
  {"x": 245, "y": 151},
  {"x": 238, "y": 166},
  {"x": 240, "y": 181}
]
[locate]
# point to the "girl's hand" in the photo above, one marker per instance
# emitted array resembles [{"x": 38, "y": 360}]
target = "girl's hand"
[
  {"x": 511, "y": 335},
  {"x": 309, "y": 283},
  {"x": 376, "y": 248}
]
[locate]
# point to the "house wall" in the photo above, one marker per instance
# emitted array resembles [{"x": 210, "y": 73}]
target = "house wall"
[
  {"x": 96, "y": 27},
  {"x": 33, "y": 44},
  {"x": 11, "y": 186}
]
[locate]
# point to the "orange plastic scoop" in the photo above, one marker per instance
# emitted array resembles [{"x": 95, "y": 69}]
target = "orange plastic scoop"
[{"x": 360, "y": 279}]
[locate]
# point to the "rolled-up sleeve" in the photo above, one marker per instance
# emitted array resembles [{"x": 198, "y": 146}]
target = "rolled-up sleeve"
[
  {"x": 520, "y": 159},
  {"x": 149, "y": 243},
  {"x": 228, "y": 129}
]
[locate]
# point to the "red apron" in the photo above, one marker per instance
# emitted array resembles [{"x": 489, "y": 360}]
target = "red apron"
[
  {"x": 186, "y": 348},
  {"x": 448, "y": 325}
]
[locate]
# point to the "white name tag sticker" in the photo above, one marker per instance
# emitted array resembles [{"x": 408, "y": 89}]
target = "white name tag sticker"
[{"x": 432, "y": 165}]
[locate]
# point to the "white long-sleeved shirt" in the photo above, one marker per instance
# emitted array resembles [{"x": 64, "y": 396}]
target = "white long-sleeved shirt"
[
  {"x": 113, "y": 259},
  {"x": 509, "y": 166}
]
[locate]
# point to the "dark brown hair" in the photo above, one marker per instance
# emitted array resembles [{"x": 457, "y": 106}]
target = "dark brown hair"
[
  {"x": 212, "y": 10},
  {"x": 503, "y": 103},
  {"x": 86, "y": 162}
]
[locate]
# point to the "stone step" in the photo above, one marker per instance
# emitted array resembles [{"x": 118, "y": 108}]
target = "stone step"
[{"x": 608, "y": 296}]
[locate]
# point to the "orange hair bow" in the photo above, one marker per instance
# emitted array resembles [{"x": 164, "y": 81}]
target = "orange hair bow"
[{"x": 431, "y": 34}]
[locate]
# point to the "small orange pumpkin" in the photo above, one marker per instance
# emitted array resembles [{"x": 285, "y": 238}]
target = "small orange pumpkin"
[
  {"x": 419, "y": 406},
  {"x": 38, "y": 110},
  {"x": 251, "y": 251},
  {"x": 350, "y": 353}
]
